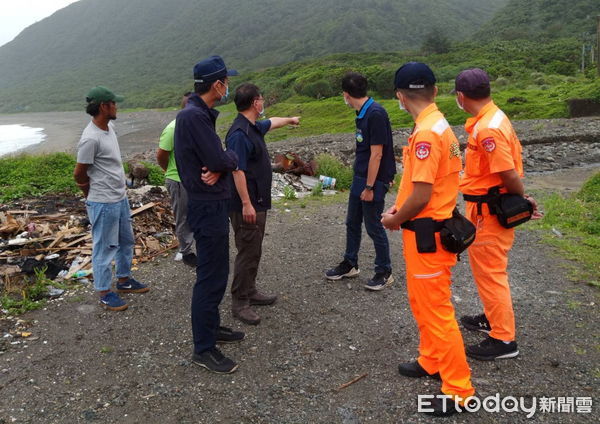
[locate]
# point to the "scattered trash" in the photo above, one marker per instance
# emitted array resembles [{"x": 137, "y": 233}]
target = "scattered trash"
[
  {"x": 81, "y": 273},
  {"x": 291, "y": 163},
  {"x": 556, "y": 232},
  {"x": 37, "y": 235},
  {"x": 309, "y": 182},
  {"x": 53, "y": 292},
  {"x": 328, "y": 182},
  {"x": 178, "y": 257}
]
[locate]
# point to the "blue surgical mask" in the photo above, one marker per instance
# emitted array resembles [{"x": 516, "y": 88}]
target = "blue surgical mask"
[{"x": 225, "y": 96}]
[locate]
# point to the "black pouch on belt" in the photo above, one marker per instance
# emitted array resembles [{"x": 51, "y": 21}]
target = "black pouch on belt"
[
  {"x": 513, "y": 210},
  {"x": 458, "y": 233},
  {"x": 424, "y": 229}
]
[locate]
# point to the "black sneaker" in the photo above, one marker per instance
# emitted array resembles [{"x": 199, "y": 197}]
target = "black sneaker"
[
  {"x": 491, "y": 349},
  {"x": 344, "y": 269},
  {"x": 190, "y": 260},
  {"x": 214, "y": 361},
  {"x": 415, "y": 370},
  {"x": 227, "y": 335},
  {"x": 444, "y": 406},
  {"x": 476, "y": 323},
  {"x": 380, "y": 281}
]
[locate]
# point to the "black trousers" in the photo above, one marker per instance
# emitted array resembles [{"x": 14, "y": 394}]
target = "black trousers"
[{"x": 209, "y": 220}]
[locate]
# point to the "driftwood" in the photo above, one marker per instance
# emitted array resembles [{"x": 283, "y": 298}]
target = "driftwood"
[
  {"x": 142, "y": 208},
  {"x": 351, "y": 382}
]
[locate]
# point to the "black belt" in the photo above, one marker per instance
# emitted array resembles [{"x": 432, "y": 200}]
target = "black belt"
[
  {"x": 411, "y": 225},
  {"x": 484, "y": 198}
]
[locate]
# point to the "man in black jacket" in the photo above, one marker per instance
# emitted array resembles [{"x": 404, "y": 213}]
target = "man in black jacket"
[
  {"x": 251, "y": 187},
  {"x": 203, "y": 167}
]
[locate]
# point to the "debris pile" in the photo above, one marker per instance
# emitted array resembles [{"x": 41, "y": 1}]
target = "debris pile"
[
  {"x": 58, "y": 242},
  {"x": 289, "y": 171}
]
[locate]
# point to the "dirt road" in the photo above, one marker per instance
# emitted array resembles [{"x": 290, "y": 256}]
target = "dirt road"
[{"x": 93, "y": 366}]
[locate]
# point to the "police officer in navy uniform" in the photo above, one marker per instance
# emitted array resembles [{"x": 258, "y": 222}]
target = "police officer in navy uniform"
[
  {"x": 251, "y": 199},
  {"x": 204, "y": 168},
  {"x": 374, "y": 170}
]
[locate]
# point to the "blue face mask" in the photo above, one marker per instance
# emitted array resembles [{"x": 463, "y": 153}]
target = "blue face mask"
[{"x": 226, "y": 95}]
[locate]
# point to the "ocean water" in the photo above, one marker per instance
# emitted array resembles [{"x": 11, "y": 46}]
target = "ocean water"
[{"x": 17, "y": 137}]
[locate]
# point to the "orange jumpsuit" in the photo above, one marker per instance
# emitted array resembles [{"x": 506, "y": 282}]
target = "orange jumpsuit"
[
  {"x": 492, "y": 147},
  {"x": 433, "y": 156}
]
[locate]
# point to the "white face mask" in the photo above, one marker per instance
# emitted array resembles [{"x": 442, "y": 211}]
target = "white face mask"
[
  {"x": 401, "y": 105},
  {"x": 346, "y": 102},
  {"x": 461, "y": 107}
]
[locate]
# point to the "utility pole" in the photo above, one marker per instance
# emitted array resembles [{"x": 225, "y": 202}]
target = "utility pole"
[
  {"x": 583, "y": 58},
  {"x": 598, "y": 44}
]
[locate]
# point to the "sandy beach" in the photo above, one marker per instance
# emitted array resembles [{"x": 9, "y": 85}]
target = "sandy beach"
[{"x": 138, "y": 131}]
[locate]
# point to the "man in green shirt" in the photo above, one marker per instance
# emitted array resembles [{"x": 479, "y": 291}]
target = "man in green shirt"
[{"x": 179, "y": 200}]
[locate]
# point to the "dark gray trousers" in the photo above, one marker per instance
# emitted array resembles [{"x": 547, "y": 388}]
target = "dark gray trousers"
[
  {"x": 248, "y": 242},
  {"x": 179, "y": 204}
]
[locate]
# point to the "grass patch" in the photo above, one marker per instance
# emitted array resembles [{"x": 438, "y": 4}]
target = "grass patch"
[
  {"x": 330, "y": 166},
  {"x": 156, "y": 176},
  {"x": 27, "y": 175},
  {"x": 577, "y": 218},
  {"x": 31, "y": 296}
]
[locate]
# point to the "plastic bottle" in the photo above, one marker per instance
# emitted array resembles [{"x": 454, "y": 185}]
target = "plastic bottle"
[{"x": 81, "y": 273}]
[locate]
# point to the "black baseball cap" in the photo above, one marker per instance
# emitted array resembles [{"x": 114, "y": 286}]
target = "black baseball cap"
[
  {"x": 414, "y": 75},
  {"x": 212, "y": 69}
]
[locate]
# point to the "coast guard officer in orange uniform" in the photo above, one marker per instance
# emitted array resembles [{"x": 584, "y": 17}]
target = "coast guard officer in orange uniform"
[
  {"x": 427, "y": 197},
  {"x": 492, "y": 159}
]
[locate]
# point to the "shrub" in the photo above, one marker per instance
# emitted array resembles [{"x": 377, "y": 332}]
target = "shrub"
[
  {"x": 502, "y": 81},
  {"x": 318, "y": 89},
  {"x": 330, "y": 166},
  {"x": 156, "y": 176},
  {"x": 28, "y": 175}
]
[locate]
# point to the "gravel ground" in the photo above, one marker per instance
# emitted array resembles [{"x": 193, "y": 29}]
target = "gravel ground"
[{"x": 89, "y": 365}]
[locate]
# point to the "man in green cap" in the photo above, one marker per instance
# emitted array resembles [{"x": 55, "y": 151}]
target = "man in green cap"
[{"x": 100, "y": 176}]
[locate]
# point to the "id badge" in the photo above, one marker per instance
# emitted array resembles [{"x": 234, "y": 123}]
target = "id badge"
[{"x": 359, "y": 136}]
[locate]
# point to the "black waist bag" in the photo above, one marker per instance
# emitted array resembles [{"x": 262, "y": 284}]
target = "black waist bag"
[
  {"x": 458, "y": 233},
  {"x": 512, "y": 210},
  {"x": 424, "y": 229}
]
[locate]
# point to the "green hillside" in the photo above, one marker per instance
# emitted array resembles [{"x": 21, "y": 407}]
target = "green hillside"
[
  {"x": 134, "y": 46},
  {"x": 543, "y": 19}
]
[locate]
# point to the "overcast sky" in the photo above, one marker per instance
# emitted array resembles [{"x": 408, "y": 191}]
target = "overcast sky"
[{"x": 16, "y": 15}]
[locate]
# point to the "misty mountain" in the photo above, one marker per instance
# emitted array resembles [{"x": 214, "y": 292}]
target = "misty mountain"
[
  {"x": 136, "y": 45},
  {"x": 543, "y": 19}
]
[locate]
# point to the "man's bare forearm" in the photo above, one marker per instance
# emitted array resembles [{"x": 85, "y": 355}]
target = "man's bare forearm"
[
  {"x": 239, "y": 178},
  {"x": 373, "y": 170}
]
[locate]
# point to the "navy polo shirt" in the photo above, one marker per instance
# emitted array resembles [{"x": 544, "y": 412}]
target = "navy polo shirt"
[
  {"x": 243, "y": 146},
  {"x": 372, "y": 128}
]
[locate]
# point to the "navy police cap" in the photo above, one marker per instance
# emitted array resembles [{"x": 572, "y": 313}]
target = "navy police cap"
[
  {"x": 212, "y": 69},
  {"x": 414, "y": 75}
]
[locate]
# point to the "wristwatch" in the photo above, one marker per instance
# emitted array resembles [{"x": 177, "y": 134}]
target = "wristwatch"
[{"x": 369, "y": 187}]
